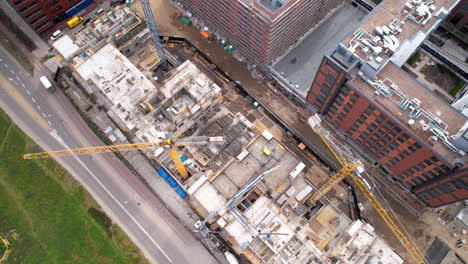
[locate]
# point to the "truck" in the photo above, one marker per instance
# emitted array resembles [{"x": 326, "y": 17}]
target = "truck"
[
  {"x": 46, "y": 83},
  {"x": 74, "y": 22}
]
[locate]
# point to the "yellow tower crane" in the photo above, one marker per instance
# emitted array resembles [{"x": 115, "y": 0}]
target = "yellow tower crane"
[
  {"x": 353, "y": 170},
  {"x": 169, "y": 144}
]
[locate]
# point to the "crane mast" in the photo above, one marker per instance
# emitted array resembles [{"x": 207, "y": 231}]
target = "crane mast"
[{"x": 154, "y": 32}]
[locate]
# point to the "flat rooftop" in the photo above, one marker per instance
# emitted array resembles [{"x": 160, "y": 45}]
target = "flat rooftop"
[
  {"x": 430, "y": 102},
  {"x": 396, "y": 15},
  {"x": 300, "y": 65}
]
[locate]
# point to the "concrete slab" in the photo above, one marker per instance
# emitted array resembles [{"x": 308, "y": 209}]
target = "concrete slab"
[
  {"x": 256, "y": 149},
  {"x": 225, "y": 186},
  {"x": 288, "y": 163},
  {"x": 241, "y": 172},
  {"x": 300, "y": 64}
]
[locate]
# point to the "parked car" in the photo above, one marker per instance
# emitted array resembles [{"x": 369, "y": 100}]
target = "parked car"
[
  {"x": 99, "y": 11},
  {"x": 56, "y": 35},
  {"x": 117, "y": 2},
  {"x": 86, "y": 21}
]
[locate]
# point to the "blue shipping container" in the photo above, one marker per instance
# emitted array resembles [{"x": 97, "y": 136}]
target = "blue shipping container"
[
  {"x": 181, "y": 192},
  {"x": 183, "y": 158},
  {"x": 163, "y": 173},
  {"x": 78, "y": 7},
  {"x": 171, "y": 182}
]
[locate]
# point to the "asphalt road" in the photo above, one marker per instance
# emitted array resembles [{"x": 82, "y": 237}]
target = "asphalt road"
[{"x": 52, "y": 122}]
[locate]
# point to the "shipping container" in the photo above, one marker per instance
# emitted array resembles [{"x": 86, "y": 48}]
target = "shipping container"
[
  {"x": 181, "y": 192},
  {"x": 171, "y": 181},
  {"x": 163, "y": 173}
]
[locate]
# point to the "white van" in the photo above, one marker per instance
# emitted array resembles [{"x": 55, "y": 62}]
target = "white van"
[
  {"x": 99, "y": 11},
  {"x": 56, "y": 35},
  {"x": 46, "y": 83}
]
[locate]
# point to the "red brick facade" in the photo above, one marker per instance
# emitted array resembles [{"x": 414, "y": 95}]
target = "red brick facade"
[
  {"x": 409, "y": 159},
  {"x": 448, "y": 189},
  {"x": 39, "y": 14},
  {"x": 459, "y": 16},
  {"x": 259, "y": 34}
]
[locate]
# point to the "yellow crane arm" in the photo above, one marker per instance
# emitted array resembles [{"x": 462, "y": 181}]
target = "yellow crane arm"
[
  {"x": 347, "y": 170},
  {"x": 388, "y": 220},
  {"x": 329, "y": 147},
  {"x": 168, "y": 143},
  {"x": 178, "y": 163}
]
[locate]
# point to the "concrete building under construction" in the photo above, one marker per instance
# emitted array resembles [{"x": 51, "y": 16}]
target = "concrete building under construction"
[{"x": 262, "y": 30}]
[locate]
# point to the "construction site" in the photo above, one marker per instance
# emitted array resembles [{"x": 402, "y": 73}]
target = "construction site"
[{"x": 223, "y": 155}]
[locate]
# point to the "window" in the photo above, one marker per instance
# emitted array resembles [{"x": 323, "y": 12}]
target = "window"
[
  {"x": 445, "y": 188},
  {"x": 49, "y": 5},
  {"x": 57, "y": 9},
  {"x": 325, "y": 89},
  {"x": 330, "y": 79},
  {"x": 417, "y": 145},
  {"x": 445, "y": 168},
  {"x": 434, "y": 159},
  {"x": 456, "y": 19}
]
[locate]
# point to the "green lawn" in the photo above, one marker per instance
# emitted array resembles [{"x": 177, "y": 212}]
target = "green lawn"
[{"x": 50, "y": 211}]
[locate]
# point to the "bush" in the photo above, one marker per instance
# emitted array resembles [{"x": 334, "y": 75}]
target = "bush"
[
  {"x": 457, "y": 88},
  {"x": 413, "y": 58}
]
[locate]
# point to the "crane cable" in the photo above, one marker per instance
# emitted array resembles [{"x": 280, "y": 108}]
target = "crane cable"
[{"x": 395, "y": 216}]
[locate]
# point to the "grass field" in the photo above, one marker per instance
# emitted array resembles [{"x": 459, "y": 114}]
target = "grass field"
[{"x": 56, "y": 219}]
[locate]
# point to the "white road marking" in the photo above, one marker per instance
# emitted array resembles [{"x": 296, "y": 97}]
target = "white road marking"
[
  {"x": 34, "y": 100},
  {"x": 49, "y": 123},
  {"x": 42, "y": 113},
  {"x": 12, "y": 72},
  {"x": 10, "y": 79},
  {"x": 115, "y": 199},
  {"x": 28, "y": 92},
  {"x": 6, "y": 65},
  {"x": 22, "y": 84},
  {"x": 36, "y": 64},
  {"x": 1, "y": 59},
  {"x": 38, "y": 107},
  {"x": 17, "y": 78}
]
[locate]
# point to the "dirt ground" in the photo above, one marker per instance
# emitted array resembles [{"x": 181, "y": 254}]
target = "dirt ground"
[
  {"x": 441, "y": 76},
  {"x": 422, "y": 228}
]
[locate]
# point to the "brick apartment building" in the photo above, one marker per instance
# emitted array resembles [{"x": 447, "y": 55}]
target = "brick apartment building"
[
  {"x": 459, "y": 16},
  {"x": 386, "y": 113},
  {"x": 261, "y": 29},
  {"x": 41, "y": 15}
]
